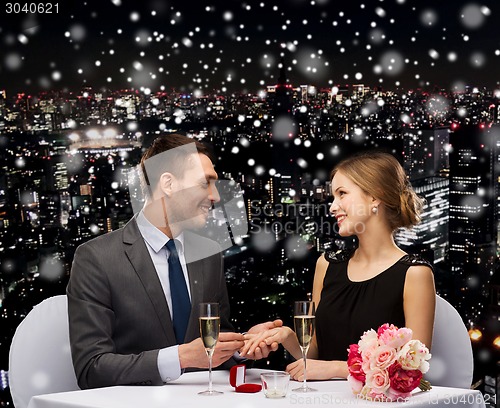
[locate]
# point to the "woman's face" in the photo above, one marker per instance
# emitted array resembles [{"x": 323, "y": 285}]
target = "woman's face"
[{"x": 351, "y": 206}]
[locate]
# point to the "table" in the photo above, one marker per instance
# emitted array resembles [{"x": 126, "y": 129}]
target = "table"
[{"x": 183, "y": 393}]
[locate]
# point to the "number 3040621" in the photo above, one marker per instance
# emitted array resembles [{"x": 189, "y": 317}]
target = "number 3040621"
[{"x": 32, "y": 8}]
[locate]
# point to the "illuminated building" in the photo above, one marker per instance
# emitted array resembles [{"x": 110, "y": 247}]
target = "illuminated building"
[
  {"x": 284, "y": 185},
  {"x": 432, "y": 232},
  {"x": 474, "y": 169},
  {"x": 426, "y": 151}
]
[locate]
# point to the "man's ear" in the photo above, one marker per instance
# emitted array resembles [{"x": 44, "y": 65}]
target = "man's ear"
[{"x": 166, "y": 183}]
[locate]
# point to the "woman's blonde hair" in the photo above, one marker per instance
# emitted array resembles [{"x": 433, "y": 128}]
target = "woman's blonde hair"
[{"x": 380, "y": 175}]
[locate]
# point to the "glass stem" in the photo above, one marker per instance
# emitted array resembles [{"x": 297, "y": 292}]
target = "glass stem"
[
  {"x": 304, "y": 356},
  {"x": 210, "y": 389}
]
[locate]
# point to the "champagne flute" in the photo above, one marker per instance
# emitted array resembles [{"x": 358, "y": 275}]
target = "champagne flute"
[
  {"x": 209, "y": 332},
  {"x": 304, "y": 319}
]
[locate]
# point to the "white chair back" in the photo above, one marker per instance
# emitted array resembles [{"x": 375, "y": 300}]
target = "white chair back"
[
  {"x": 40, "y": 356},
  {"x": 452, "y": 362}
]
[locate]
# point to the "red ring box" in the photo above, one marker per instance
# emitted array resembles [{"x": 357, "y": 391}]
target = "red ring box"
[{"x": 237, "y": 380}]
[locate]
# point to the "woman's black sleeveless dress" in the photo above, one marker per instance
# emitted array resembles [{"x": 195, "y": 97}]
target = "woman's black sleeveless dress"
[{"x": 347, "y": 309}]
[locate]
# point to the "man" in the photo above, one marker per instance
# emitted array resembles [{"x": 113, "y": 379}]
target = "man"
[{"x": 133, "y": 293}]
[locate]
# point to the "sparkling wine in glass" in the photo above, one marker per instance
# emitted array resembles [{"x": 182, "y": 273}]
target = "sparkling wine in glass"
[
  {"x": 304, "y": 320},
  {"x": 209, "y": 332}
]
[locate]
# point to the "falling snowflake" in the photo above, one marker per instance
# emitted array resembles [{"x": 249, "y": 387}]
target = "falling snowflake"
[
  {"x": 283, "y": 128},
  {"x": 473, "y": 16},
  {"x": 77, "y": 32},
  {"x": 391, "y": 63},
  {"x": 429, "y": 17},
  {"x": 13, "y": 61},
  {"x": 477, "y": 59}
]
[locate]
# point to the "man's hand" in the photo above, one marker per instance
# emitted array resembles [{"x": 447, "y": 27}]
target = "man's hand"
[
  {"x": 193, "y": 354},
  {"x": 263, "y": 350}
]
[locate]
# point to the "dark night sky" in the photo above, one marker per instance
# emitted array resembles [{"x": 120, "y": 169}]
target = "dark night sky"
[{"x": 225, "y": 43}]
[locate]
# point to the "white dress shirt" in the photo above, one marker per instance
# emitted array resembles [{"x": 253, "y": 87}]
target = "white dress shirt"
[{"x": 168, "y": 358}]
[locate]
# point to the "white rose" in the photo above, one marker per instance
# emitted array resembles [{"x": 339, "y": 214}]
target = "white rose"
[
  {"x": 414, "y": 355},
  {"x": 368, "y": 340}
]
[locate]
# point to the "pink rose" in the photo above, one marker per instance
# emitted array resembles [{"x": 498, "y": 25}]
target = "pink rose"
[
  {"x": 353, "y": 350},
  {"x": 397, "y": 395},
  {"x": 354, "y": 363},
  {"x": 355, "y": 384},
  {"x": 367, "y": 357},
  {"x": 378, "y": 380},
  {"x": 404, "y": 336},
  {"x": 377, "y": 396},
  {"x": 403, "y": 381},
  {"x": 382, "y": 357},
  {"x": 385, "y": 327},
  {"x": 392, "y": 336}
]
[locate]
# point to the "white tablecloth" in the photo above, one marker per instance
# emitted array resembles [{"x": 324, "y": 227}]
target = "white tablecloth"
[{"x": 183, "y": 393}]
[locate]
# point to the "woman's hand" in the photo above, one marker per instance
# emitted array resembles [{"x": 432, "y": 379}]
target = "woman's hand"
[
  {"x": 317, "y": 369},
  {"x": 263, "y": 339},
  {"x": 263, "y": 350}
]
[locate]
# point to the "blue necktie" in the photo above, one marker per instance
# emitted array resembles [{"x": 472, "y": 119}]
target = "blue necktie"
[{"x": 181, "y": 305}]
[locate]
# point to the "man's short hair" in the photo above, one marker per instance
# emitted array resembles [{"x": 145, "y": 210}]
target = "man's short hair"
[{"x": 176, "y": 163}]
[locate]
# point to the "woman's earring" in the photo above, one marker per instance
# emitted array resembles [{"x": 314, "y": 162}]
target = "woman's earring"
[{"x": 375, "y": 210}]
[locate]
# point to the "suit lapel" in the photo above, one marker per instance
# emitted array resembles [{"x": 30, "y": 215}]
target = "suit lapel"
[{"x": 138, "y": 255}]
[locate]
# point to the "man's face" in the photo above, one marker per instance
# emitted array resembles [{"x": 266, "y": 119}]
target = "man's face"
[{"x": 193, "y": 193}]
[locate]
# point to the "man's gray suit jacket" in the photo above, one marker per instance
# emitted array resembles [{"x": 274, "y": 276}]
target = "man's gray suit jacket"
[{"x": 118, "y": 314}]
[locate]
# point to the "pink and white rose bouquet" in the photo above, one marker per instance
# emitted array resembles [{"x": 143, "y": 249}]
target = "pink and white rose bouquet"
[{"x": 387, "y": 365}]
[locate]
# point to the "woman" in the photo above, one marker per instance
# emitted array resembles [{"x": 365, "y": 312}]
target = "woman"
[{"x": 357, "y": 290}]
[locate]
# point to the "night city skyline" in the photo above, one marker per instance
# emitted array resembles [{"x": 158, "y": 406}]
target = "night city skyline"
[
  {"x": 66, "y": 181},
  {"x": 282, "y": 91}
]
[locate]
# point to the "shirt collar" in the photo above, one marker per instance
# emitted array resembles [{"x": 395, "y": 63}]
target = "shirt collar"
[{"x": 153, "y": 236}]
